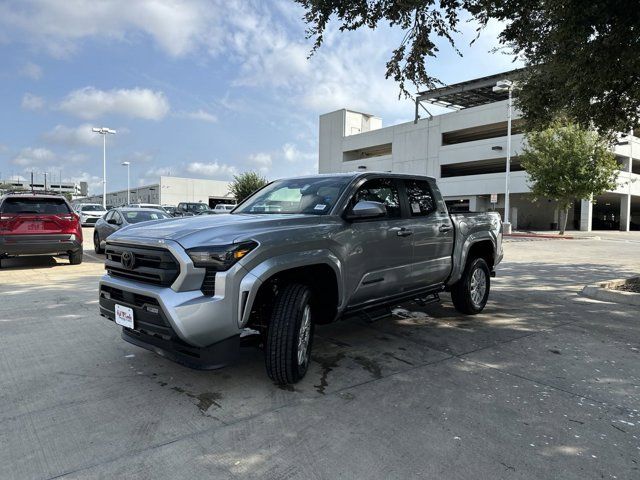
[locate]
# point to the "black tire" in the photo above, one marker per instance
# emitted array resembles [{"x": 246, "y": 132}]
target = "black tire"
[
  {"x": 96, "y": 243},
  {"x": 292, "y": 307},
  {"x": 75, "y": 258},
  {"x": 462, "y": 296}
]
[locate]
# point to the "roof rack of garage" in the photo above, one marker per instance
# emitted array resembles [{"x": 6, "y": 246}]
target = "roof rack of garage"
[{"x": 471, "y": 93}]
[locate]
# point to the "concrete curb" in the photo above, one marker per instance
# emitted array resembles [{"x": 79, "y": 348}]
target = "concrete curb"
[{"x": 603, "y": 291}]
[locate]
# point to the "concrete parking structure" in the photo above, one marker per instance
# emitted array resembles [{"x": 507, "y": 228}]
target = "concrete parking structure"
[{"x": 543, "y": 384}]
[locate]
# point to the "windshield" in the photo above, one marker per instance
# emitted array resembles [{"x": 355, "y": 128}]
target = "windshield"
[
  {"x": 313, "y": 196},
  {"x": 92, "y": 208},
  {"x": 197, "y": 207},
  {"x": 144, "y": 216}
]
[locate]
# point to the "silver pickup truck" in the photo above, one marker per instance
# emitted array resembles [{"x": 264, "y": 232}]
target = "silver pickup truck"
[{"x": 297, "y": 253}]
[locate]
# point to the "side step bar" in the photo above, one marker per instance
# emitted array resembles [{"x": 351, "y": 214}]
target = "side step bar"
[{"x": 374, "y": 314}]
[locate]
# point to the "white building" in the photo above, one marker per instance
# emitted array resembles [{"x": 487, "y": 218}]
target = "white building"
[
  {"x": 466, "y": 151},
  {"x": 75, "y": 189},
  {"x": 170, "y": 191}
]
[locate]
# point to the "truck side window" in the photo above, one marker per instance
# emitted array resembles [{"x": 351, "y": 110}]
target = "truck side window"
[
  {"x": 421, "y": 201},
  {"x": 382, "y": 190}
]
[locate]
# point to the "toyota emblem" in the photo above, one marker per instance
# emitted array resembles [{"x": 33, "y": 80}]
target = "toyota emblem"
[{"x": 128, "y": 260}]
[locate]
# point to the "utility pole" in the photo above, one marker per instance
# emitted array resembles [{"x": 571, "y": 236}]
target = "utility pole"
[{"x": 104, "y": 131}]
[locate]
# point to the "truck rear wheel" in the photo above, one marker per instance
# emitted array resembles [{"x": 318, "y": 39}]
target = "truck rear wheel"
[
  {"x": 471, "y": 292},
  {"x": 290, "y": 335}
]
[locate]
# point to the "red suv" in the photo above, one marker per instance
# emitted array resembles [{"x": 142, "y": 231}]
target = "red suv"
[{"x": 39, "y": 224}]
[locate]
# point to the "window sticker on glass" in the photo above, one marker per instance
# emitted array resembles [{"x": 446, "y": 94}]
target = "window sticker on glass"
[
  {"x": 320, "y": 206},
  {"x": 415, "y": 207}
]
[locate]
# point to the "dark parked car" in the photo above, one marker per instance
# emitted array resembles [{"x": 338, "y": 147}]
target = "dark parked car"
[
  {"x": 119, "y": 218},
  {"x": 39, "y": 224},
  {"x": 190, "y": 209}
]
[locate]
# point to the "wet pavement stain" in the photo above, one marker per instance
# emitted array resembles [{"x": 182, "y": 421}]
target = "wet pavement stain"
[
  {"x": 370, "y": 366},
  {"x": 327, "y": 364},
  {"x": 205, "y": 400}
]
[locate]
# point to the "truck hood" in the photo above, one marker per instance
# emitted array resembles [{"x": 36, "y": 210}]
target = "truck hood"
[{"x": 212, "y": 229}]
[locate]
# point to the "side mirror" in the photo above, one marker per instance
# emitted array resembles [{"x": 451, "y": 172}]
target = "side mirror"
[
  {"x": 366, "y": 210},
  {"x": 112, "y": 221}
]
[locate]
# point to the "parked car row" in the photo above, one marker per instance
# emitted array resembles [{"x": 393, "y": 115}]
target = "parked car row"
[
  {"x": 45, "y": 223},
  {"x": 90, "y": 212}
]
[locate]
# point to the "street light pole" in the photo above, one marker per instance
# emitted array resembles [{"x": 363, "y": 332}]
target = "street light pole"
[
  {"x": 104, "y": 131},
  {"x": 128, "y": 164},
  {"x": 507, "y": 86}
]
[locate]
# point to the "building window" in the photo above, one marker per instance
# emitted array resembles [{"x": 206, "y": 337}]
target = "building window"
[
  {"x": 481, "y": 167},
  {"x": 369, "y": 152},
  {"x": 481, "y": 132}
]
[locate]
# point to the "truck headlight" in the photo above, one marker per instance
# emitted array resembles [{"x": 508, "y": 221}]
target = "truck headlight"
[{"x": 220, "y": 257}]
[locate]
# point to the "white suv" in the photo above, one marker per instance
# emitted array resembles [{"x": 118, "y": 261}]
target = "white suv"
[
  {"x": 222, "y": 208},
  {"x": 90, "y": 213}
]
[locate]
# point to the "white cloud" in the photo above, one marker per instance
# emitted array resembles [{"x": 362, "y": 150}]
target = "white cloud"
[
  {"x": 90, "y": 103},
  {"x": 211, "y": 169},
  {"x": 80, "y": 135},
  {"x": 177, "y": 27},
  {"x": 34, "y": 157},
  {"x": 261, "y": 160},
  {"x": 94, "y": 182},
  {"x": 31, "y": 70},
  {"x": 201, "y": 115},
  {"x": 293, "y": 154},
  {"x": 32, "y": 102}
]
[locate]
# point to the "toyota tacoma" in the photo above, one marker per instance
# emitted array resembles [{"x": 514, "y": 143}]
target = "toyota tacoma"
[{"x": 297, "y": 253}]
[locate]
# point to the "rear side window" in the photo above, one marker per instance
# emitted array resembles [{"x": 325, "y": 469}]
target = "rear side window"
[
  {"x": 45, "y": 206},
  {"x": 421, "y": 201}
]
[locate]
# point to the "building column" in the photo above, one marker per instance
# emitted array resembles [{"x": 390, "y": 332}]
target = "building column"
[
  {"x": 586, "y": 215},
  {"x": 625, "y": 213}
]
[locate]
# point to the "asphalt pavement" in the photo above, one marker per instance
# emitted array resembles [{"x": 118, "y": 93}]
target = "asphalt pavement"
[{"x": 544, "y": 384}]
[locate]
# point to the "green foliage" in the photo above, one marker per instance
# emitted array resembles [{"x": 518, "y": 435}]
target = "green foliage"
[
  {"x": 582, "y": 55},
  {"x": 245, "y": 184},
  {"x": 566, "y": 162},
  {"x": 583, "y": 58}
]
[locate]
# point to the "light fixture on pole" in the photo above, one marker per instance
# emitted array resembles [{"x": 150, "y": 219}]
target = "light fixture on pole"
[
  {"x": 104, "y": 131},
  {"x": 128, "y": 165},
  {"x": 507, "y": 86}
]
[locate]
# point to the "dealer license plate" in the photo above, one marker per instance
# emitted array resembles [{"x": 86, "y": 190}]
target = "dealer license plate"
[{"x": 124, "y": 316}]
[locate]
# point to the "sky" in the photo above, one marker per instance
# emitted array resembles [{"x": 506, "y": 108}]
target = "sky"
[{"x": 194, "y": 88}]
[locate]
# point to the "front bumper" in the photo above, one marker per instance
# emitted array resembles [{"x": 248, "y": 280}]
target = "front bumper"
[
  {"x": 39, "y": 244},
  {"x": 154, "y": 327}
]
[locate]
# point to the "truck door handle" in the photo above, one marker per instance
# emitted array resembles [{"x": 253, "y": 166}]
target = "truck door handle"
[
  {"x": 445, "y": 228},
  {"x": 401, "y": 231}
]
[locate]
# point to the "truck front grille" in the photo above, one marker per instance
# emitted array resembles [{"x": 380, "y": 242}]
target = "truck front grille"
[
  {"x": 209, "y": 283},
  {"x": 143, "y": 264}
]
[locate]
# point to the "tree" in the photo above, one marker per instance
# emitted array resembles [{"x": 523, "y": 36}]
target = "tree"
[
  {"x": 582, "y": 57},
  {"x": 245, "y": 184},
  {"x": 566, "y": 162}
]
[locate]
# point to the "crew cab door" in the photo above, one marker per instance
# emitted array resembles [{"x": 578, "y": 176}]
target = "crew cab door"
[
  {"x": 433, "y": 234},
  {"x": 379, "y": 249}
]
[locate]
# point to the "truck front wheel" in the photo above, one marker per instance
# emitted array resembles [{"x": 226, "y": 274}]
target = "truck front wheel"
[
  {"x": 290, "y": 335},
  {"x": 471, "y": 292}
]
